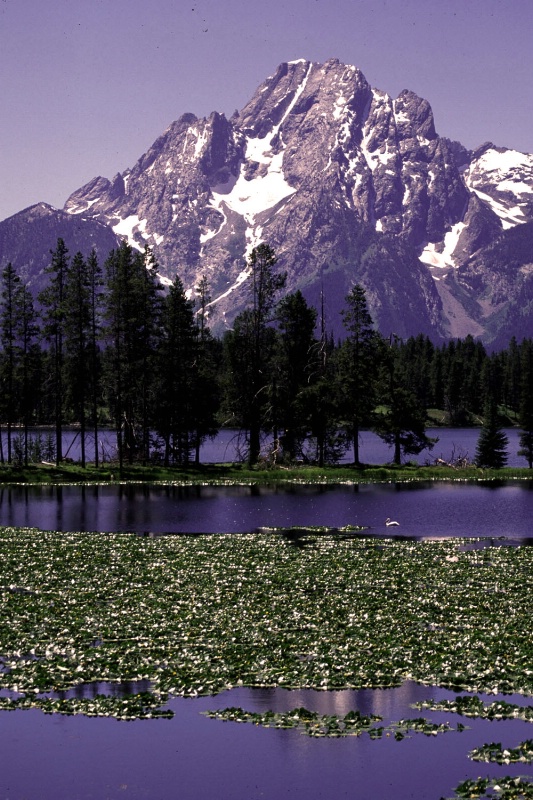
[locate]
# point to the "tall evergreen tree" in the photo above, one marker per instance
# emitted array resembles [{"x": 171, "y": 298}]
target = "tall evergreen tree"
[
  {"x": 10, "y": 286},
  {"x": 249, "y": 349},
  {"x": 295, "y": 364},
  {"x": 491, "y": 450},
  {"x": 77, "y": 330},
  {"x": 132, "y": 317},
  {"x": 94, "y": 283},
  {"x": 52, "y": 300},
  {"x": 525, "y": 419},
  {"x": 403, "y": 424},
  {"x": 360, "y": 366},
  {"x": 19, "y": 331},
  {"x": 174, "y": 404},
  {"x": 29, "y": 358},
  {"x": 206, "y": 371},
  {"x": 317, "y": 402}
]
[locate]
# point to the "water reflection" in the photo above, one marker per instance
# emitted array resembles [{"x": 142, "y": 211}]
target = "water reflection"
[
  {"x": 191, "y": 756},
  {"x": 424, "y": 510}
]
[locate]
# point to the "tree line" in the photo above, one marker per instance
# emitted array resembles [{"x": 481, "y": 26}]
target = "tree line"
[{"x": 104, "y": 345}]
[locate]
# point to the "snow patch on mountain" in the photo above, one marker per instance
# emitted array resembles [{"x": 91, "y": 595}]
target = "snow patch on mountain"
[
  {"x": 440, "y": 255},
  {"x": 504, "y": 180},
  {"x": 128, "y": 227},
  {"x": 249, "y": 197}
]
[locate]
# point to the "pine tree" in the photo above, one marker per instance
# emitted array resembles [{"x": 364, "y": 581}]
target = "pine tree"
[
  {"x": 174, "y": 403},
  {"x": 29, "y": 358},
  {"x": 491, "y": 450},
  {"x": 52, "y": 299},
  {"x": 77, "y": 330},
  {"x": 403, "y": 424},
  {"x": 19, "y": 331},
  {"x": 359, "y": 366},
  {"x": 132, "y": 331},
  {"x": 206, "y": 369},
  {"x": 295, "y": 364},
  {"x": 249, "y": 348},
  {"x": 10, "y": 283},
  {"x": 94, "y": 279},
  {"x": 525, "y": 419}
]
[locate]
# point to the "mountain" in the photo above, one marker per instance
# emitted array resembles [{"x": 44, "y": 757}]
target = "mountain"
[
  {"x": 27, "y": 238},
  {"x": 347, "y": 185}
]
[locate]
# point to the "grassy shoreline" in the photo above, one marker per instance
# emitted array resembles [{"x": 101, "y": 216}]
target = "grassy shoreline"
[{"x": 236, "y": 473}]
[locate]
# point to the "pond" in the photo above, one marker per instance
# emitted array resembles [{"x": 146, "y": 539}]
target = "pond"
[
  {"x": 192, "y": 756},
  {"x": 423, "y": 509}
]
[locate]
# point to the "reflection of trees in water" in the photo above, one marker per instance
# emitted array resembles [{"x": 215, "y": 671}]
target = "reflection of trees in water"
[{"x": 107, "y": 688}]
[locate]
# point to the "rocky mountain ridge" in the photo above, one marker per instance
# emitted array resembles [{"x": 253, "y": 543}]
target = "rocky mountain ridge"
[{"x": 347, "y": 185}]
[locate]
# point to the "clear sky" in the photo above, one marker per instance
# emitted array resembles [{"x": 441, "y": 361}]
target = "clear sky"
[{"x": 86, "y": 86}]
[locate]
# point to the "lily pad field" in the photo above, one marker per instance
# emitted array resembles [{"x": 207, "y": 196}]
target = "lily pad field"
[{"x": 199, "y": 615}]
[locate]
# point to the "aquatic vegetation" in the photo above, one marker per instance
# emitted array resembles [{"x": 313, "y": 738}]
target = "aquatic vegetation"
[
  {"x": 468, "y": 706},
  {"x": 311, "y": 723},
  {"x": 496, "y": 754},
  {"x": 308, "y": 722},
  {"x": 319, "y": 725},
  {"x": 143, "y": 705},
  {"x": 506, "y": 788},
  {"x": 198, "y": 614}
]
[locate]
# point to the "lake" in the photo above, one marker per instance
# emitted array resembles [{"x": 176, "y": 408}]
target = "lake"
[
  {"x": 423, "y": 509},
  {"x": 191, "y": 757},
  {"x": 53, "y": 757}
]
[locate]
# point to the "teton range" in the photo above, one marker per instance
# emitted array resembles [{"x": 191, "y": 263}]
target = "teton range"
[{"x": 345, "y": 183}]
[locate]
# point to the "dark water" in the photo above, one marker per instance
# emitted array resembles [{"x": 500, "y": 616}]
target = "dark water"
[
  {"x": 192, "y": 757},
  {"x": 422, "y": 509}
]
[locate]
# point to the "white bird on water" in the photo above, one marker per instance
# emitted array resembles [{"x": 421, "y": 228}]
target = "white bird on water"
[{"x": 389, "y": 522}]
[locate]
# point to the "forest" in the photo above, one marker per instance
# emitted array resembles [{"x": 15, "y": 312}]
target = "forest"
[{"x": 104, "y": 346}]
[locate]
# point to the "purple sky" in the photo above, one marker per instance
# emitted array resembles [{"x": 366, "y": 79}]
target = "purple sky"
[{"x": 86, "y": 86}]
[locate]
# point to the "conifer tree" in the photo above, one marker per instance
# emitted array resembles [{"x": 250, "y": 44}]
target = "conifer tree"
[
  {"x": 295, "y": 364},
  {"x": 206, "y": 368},
  {"x": 249, "y": 349},
  {"x": 359, "y": 370},
  {"x": 174, "y": 402},
  {"x": 19, "y": 331},
  {"x": 29, "y": 358},
  {"x": 77, "y": 336},
  {"x": 132, "y": 330},
  {"x": 403, "y": 423},
  {"x": 94, "y": 281},
  {"x": 52, "y": 300},
  {"x": 10, "y": 285},
  {"x": 525, "y": 419},
  {"x": 491, "y": 450}
]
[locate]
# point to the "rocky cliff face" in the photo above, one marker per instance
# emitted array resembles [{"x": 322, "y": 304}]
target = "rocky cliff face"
[{"x": 347, "y": 184}]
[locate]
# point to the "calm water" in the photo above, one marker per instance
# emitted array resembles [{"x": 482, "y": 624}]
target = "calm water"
[
  {"x": 194, "y": 758},
  {"x": 422, "y": 509}
]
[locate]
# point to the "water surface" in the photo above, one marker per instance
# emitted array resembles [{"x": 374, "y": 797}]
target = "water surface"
[
  {"x": 423, "y": 509},
  {"x": 192, "y": 757}
]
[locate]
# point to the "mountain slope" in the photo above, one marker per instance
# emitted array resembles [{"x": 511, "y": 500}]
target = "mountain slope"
[{"x": 26, "y": 239}]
